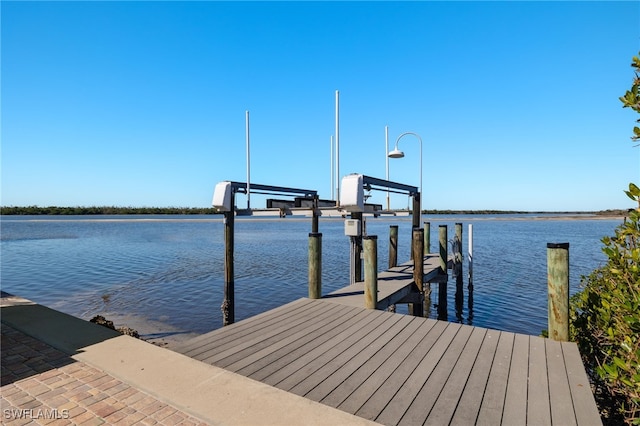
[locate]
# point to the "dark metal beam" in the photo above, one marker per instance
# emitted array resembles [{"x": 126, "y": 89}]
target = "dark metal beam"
[
  {"x": 270, "y": 189},
  {"x": 369, "y": 181}
]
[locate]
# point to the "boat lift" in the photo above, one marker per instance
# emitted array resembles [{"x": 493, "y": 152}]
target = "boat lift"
[
  {"x": 352, "y": 200},
  {"x": 224, "y": 201}
]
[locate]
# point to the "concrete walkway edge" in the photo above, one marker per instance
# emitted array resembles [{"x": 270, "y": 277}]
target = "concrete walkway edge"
[{"x": 207, "y": 392}]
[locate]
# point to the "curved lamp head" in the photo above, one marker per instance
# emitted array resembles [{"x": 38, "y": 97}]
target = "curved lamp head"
[{"x": 396, "y": 153}]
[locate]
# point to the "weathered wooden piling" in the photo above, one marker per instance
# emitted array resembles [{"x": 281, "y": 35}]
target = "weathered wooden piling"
[
  {"x": 356, "y": 251},
  {"x": 316, "y": 214},
  {"x": 370, "y": 271},
  {"x": 427, "y": 237},
  {"x": 442, "y": 241},
  {"x": 417, "y": 212},
  {"x": 457, "y": 269},
  {"x": 426, "y": 291},
  {"x": 558, "y": 290},
  {"x": 470, "y": 275},
  {"x": 315, "y": 265},
  {"x": 416, "y": 308},
  {"x": 228, "y": 305},
  {"x": 393, "y": 246},
  {"x": 442, "y": 285},
  {"x": 457, "y": 251},
  {"x": 418, "y": 249},
  {"x": 470, "y": 255}
]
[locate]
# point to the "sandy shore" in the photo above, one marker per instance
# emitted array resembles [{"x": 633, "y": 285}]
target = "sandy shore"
[{"x": 155, "y": 332}]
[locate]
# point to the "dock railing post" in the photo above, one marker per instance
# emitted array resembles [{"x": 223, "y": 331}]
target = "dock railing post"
[
  {"x": 315, "y": 215},
  {"x": 393, "y": 246},
  {"x": 228, "y": 305},
  {"x": 470, "y": 266},
  {"x": 470, "y": 272},
  {"x": 558, "y": 290},
  {"x": 315, "y": 265},
  {"x": 415, "y": 215},
  {"x": 457, "y": 252},
  {"x": 427, "y": 237},
  {"x": 355, "y": 269},
  {"x": 457, "y": 268},
  {"x": 370, "y": 271},
  {"x": 418, "y": 257},
  {"x": 442, "y": 242},
  {"x": 417, "y": 254},
  {"x": 442, "y": 285}
]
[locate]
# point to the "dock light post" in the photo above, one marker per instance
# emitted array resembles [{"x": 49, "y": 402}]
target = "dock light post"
[{"x": 396, "y": 153}]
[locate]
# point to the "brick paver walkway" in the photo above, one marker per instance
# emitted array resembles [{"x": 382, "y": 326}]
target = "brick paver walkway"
[{"x": 42, "y": 385}]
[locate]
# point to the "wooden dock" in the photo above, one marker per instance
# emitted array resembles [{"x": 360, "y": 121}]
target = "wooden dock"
[
  {"x": 403, "y": 370},
  {"x": 394, "y": 284}
]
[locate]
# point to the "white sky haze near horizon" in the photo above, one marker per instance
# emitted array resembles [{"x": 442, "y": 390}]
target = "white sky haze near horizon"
[{"x": 143, "y": 103}]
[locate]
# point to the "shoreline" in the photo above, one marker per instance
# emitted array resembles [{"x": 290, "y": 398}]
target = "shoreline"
[
  {"x": 300, "y": 218},
  {"x": 151, "y": 331}
]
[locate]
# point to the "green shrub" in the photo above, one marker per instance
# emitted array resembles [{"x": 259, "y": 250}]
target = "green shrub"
[
  {"x": 606, "y": 323},
  {"x": 605, "y": 316}
]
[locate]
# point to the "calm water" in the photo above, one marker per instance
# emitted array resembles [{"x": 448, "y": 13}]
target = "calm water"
[{"x": 171, "y": 268}]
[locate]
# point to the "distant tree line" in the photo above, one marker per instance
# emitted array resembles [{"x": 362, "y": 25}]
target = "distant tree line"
[
  {"x": 113, "y": 210},
  {"x": 104, "y": 210}
]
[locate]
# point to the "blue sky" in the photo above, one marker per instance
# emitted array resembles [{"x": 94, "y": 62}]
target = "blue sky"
[{"x": 143, "y": 103}]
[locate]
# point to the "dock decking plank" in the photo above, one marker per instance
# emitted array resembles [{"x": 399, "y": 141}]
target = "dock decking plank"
[
  {"x": 397, "y": 369},
  {"x": 338, "y": 368},
  {"x": 448, "y": 400},
  {"x": 350, "y": 376},
  {"x": 236, "y": 331},
  {"x": 294, "y": 373},
  {"x": 538, "y": 410},
  {"x": 298, "y": 346},
  {"x": 515, "y": 403},
  {"x": 426, "y": 398},
  {"x": 388, "y": 363},
  {"x": 559, "y": 393},
  {"x": 469, "y": 405},
  {"x": 288, "y": 342},
  {"x": 581, "y": 395},
  {"x": 378, "y": 401},
  {"x": 227, "y": 353},
  {"x": 266, "y": 338},
  {"x": 304, "y": 355},
  {"x": 494, "y": 396},
  {"x": 398, "y": 405}
]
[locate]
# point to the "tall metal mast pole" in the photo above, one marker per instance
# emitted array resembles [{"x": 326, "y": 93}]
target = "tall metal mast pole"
[
  {"x": 331, "y": 158},
  {"x": 248, "y": 163},
  {"x": 386, "y": 156},
  {"x": 337, "y": 148}
]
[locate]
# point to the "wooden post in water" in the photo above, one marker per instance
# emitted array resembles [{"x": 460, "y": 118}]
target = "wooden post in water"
[
  {"x": 228, "y": 305},
  {"x": 416, "y": 214},
  {"x": 370, "y": 271},
  {"x": 457, "y": 268},
  {"x": 427, "y": 237},
  {"x": 558, "y": 290},
  {"x": 417, "y": 250},
  {"x": 470, "y": 269},
  {"x": 356, "y": 251},
  {"x": 457, "y": 251},
  {"x": 314, "y": 218},
  {"x": 393, "y": 246},
  {"x": 315, "y": 265},
  {"x": 470, "y": 266},
  {"x": 442, "y": 286},
  {"x": 418, "y": 263},
  {"x": 442, "y": 242}
]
